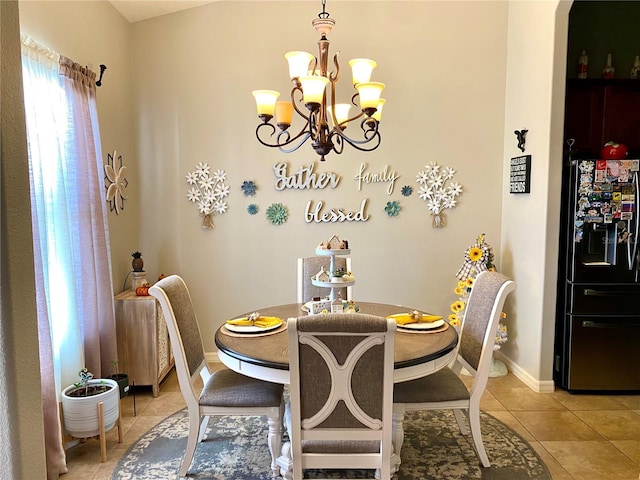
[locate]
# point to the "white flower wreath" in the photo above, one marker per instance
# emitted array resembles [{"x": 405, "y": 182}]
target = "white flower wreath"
[
  {"x": 208, "y": 191},
  {"x": 435, "y": 191}
]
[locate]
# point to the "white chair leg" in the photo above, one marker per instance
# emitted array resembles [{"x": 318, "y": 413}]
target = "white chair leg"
[
  {"x": 285, "y": 462},
  {"x": 397, "y": 435},
  {"x": 476, "y": 434},
  {"x": 192, "y": 441},
  {"x": 274, "y": 440},
  {"x": 384, "y": 473},
  {"x": 460, "y": 419},
  {"x": 203, "y": 427}
]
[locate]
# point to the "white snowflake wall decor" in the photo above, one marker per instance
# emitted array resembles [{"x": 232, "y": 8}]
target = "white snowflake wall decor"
[
  {"x": 208, "y": 191},
  {"x": 436, "y": 192},
  {"x": 115, "y": 183}
]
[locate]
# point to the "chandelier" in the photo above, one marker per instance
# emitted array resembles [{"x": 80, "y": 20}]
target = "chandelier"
[{"x": 325, "y": 121}]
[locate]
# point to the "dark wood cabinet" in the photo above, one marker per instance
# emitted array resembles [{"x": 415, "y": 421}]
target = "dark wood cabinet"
[{"x": 598, "y": 111}]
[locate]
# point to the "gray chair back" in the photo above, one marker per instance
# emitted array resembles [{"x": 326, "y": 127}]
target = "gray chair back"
[
  {"x": 341, "y": 392},
  {"x": 481, "y": 316},
  {"x": 311, "y": 266},
  {"x": 315, "y": 377},
  {"x": 187, "y": 338}
]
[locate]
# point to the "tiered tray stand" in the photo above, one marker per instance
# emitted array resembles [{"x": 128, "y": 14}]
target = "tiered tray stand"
[{"x": 332, "y": 268}]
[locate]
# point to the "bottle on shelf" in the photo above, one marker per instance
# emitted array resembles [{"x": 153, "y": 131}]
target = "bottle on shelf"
[
  {"x": 609, "y": 70},
  {"x": 582, "y": 64},
  {"x": 635, "y": 70}
]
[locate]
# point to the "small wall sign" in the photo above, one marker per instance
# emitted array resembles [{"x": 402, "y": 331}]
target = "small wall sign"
[
  {"x": 386, "y": 175},
  {"x": 520, "y": 174}
]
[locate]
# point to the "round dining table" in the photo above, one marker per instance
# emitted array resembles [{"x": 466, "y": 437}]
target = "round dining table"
[{"x": 265, "y": 356}]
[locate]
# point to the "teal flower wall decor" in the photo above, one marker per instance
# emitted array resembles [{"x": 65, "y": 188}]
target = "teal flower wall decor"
[
  {"x": 252, "y": 209},
  {"x": 407, "y": 190},
  {"x": 249, "y": 188},
  {"x": 392, "y": 208},
  {"x": 277, "y": 214}
]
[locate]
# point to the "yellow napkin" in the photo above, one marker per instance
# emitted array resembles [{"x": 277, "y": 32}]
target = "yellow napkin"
[
  {"x": 262, "y": 322},
  {"x": 407, "y": 318}
]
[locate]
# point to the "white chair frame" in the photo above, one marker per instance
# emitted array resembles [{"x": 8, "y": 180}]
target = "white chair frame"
[
  {"x": 469, "y": 406},
  {"x": 293, "y": 460},
  {"x": 199, "y": 414}
]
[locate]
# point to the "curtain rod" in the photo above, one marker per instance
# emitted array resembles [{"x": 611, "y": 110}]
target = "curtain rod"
[{"x": 102, "y": 69}]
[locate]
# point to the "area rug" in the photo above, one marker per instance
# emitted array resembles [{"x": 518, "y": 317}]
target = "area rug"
[{"x": 235, "y": 449}]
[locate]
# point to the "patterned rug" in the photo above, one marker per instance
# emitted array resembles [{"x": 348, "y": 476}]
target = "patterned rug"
[{"x": 235, "y": 449}]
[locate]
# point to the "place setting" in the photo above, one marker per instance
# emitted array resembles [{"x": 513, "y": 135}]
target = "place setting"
[
  {"x": 254, "y": 325},
  {"x": 418, "y": 322}
]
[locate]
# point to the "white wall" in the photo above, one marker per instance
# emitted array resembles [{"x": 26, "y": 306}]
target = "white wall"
[
  {"x": 534, "y": 100},
  {"x": 444, "y": 67},
  {"x": 455, "y": 95}
]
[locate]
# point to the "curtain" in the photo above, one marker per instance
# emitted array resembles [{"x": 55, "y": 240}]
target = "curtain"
[{"x": 72, "y": 261}]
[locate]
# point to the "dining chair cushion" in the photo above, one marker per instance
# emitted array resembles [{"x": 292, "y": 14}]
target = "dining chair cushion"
[
  {"x": 441, "y": 386},
  {"x": 226, "y": 388},
  {"x": 340, "y": 446}
]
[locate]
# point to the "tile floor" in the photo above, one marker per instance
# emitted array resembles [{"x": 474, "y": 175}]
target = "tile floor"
[{"x": 581, "y": 437}]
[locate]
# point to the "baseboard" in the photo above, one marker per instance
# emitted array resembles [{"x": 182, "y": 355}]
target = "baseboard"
[
  {"x": 539, "y": 386},
  {"x": 212, "y": 357}
]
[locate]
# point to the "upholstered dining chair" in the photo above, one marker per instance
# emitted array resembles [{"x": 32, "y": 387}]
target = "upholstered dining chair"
[
  {"x": 339, "y": 412},
  {"x": 225, "y": 392},
  {"x": 308, "y": 267},
  {"x": 444, "y": 390}
]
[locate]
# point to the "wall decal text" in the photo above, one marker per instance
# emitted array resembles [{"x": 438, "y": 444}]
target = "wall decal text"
[
  {"x": 317, "y": 214},
  {"x": 304, "y": 178},
  {"x": 384, "y": 176}
]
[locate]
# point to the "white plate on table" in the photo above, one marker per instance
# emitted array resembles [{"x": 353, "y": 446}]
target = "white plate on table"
[
  {"x": 250, "y": 328},
  {"x": 423, "y": 325}
]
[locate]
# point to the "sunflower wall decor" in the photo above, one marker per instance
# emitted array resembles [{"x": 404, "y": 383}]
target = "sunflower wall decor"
[
  {"x": 435, "y": 191},
  {"x": 477, "y": 258},
  {"x": 209, "y": 191},
  {"x": 115, "y": 182}
]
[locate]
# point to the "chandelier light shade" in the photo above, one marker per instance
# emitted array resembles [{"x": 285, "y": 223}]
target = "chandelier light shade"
[{"x": 313, "y": 99}]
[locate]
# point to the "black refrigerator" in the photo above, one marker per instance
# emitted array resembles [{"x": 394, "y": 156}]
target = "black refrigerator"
[{"x": 597, "y": 337}]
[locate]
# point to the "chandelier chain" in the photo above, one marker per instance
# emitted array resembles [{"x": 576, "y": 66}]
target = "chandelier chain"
[{"x": 324, "y": 13}]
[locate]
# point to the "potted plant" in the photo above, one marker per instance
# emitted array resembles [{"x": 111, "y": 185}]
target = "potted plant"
[
  {"x": 80, "y": 405},
  {"x": 121, "y": 378}
]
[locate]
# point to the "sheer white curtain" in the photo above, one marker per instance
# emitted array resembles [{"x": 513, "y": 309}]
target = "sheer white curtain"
[{"x": 71, "y": 243}]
